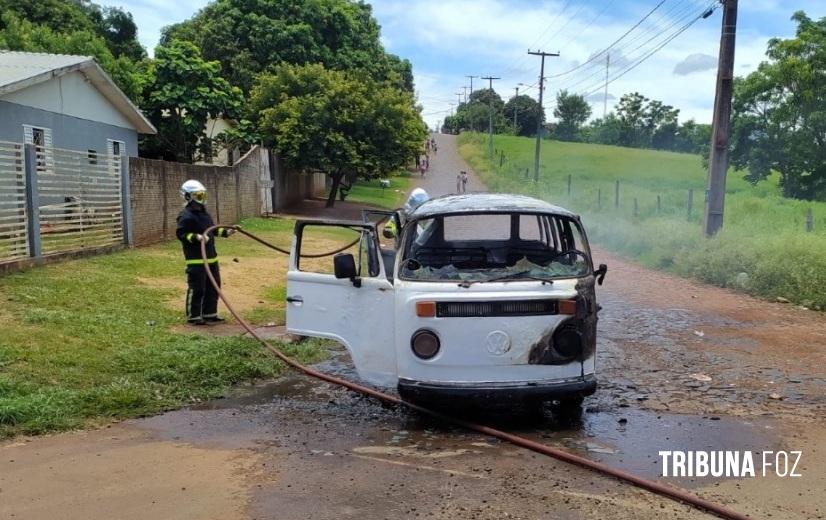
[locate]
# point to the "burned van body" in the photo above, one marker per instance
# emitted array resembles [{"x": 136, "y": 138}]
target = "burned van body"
[{"x": 482, "y": 297}]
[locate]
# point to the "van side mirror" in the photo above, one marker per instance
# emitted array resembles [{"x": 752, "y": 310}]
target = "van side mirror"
[
  {"x": 344, "y": 266},
  {"x": 600, "y": 273}
]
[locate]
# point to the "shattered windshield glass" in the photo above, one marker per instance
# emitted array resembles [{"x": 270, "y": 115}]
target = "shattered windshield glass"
[{"x": 494, "y": 247}]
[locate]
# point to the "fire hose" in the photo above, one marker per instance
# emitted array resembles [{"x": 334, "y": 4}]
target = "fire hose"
[{"x": 673, "y": 493}]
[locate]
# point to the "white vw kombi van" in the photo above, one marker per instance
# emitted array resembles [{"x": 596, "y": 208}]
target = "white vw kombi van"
[{"x": 479, "y": 296}]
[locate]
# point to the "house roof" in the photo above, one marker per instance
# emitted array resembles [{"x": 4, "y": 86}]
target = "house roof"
[
  {"x": 486, "y": 203},
  {"x": 20, "y": 70}
]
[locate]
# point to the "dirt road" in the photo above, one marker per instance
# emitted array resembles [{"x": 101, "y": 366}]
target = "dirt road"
[{"x": 681, "y": 366}]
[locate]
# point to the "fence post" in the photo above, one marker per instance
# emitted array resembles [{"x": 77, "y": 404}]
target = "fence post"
[
  {"x": 616, "y": 194},
  {"x": 527, "y": 172},
  {"x": 599, "y": 198},
  {"x": 690, "y": 201},
  {"x": 659, "y": 205},
  {"x": 126, "y": 201},
  {"x": 569, "y": 184},
  {"x": 32, "y": 200},
  {"x": 635, "y": 207},
  {"x": 810, "y": 220},
  {"x": 501, "y": 158}
]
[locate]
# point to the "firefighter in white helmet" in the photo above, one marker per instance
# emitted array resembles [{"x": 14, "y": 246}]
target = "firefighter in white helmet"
[{"x": 193, "y": 221}]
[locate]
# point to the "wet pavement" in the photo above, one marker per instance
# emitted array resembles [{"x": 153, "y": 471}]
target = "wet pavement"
[{"x": 681, "y": 366}]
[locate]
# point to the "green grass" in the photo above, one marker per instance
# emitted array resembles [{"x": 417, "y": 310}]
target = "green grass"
[
  {"x": 86, "y": 340},
  {"x": 371, "y": 192},
  {"x": 763, "y": 235}
]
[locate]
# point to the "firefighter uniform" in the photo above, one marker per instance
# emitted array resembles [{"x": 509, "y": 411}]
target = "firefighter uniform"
[{"x": 201, "y": 296}]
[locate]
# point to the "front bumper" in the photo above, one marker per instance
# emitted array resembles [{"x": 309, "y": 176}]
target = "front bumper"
[{"x": 418, "y": 391}]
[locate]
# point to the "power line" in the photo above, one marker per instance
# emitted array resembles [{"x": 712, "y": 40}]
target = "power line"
[
  {"x": 649, "y": 54},
  {"x": 620, "y": 51},
  {"x": 523, "y": 59},
  {"x": 587, "y": 26},
  {"x": 603, "y": 51}
]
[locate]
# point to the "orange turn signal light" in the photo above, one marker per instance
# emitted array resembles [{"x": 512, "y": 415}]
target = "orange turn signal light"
[
  {"x": 567, "y": 307},
  {"x": 425, "y": 309}
]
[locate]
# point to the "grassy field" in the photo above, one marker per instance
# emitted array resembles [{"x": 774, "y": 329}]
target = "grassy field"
[
  {"x": 88, "y": 340},
  {"x": 763, "y": 236},
  {"x": 371, "y": 192}
]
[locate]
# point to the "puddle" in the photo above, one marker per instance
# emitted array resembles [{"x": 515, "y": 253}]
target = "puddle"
[{"x": 308, "y": 417}]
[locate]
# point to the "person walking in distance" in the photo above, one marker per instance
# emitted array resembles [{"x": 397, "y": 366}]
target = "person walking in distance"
[
  {"x": 193, "y": 221},
  {"x": 461, "y": 182}
]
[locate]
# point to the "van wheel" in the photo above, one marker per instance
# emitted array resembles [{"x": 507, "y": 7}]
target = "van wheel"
[{"x": 570, "y": 407}]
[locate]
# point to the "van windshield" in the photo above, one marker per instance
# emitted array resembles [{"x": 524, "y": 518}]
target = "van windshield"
[{"x": 494, "y": 246}]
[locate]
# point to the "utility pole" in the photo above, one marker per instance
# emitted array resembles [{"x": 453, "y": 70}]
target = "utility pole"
[
  {"x": 539, "y": 119},
  {"x": 514, "y": 109},
  {"x": 458, "y": 98},
  {"x": 471, "y": 83},
  {"x": 605, "y": 96},
  {"x": 490, "y": 114},
  {"x": 464, "y": 89},
  {"x": 718, "y": 158}
]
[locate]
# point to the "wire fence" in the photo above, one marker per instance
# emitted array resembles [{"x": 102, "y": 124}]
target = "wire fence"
[
  {"x": 58, "y": 201},
  {"x": 625, "y": 197}
]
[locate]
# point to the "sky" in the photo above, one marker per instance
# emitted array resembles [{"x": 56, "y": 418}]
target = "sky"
[{"x": 447, "y": 40}]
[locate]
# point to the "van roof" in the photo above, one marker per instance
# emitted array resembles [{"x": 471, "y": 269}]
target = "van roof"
[{"x": 486, "y": 203}]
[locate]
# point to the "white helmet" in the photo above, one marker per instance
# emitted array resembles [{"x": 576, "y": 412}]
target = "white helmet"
[
  {"x": 194, "y": 190},
  {"x": 416, "y": 198}
]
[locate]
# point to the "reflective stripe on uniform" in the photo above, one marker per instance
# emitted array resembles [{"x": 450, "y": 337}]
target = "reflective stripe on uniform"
[
  {"x": 190, "y": 236},
  {"x": 200, "y": 261}
]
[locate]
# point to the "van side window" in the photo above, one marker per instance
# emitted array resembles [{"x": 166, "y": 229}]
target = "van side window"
[{"x": 317, "y": 239}]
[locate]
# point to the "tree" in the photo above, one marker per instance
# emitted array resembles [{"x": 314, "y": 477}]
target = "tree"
[
  {"x": 248, "y": 36},
  {"x": 528, "y": 114},
  {"x": 572, "y": 111},
  {"x": 779, "y": 113},
  {"x": 113, "y": 24},
  {"x": 338, "y": 122},
  {"x": 631, "y": 112},
  {"x": 184, "y": 92},
  {"x": 22, "y": 35},
  {"x": 607, "y": 130}
]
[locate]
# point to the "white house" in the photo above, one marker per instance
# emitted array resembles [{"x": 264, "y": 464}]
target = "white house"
[{"x": 66, "y": 102}]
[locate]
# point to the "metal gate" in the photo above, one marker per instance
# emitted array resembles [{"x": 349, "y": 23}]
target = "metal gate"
[
  {"x": 14, "y": 238},
  {"x": 79, "y": 199}
]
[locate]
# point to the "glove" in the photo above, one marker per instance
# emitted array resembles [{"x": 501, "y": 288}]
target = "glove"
[
  {"x": 202, "y": 238},
  {"x": 229, "y": 232}
]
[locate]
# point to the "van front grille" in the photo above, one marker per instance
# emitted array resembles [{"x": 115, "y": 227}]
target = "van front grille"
[{"x": 496, "y": 308}]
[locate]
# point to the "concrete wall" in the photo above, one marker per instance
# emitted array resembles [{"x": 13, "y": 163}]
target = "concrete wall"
[
  {"x": 68, "y": 132},
  {"x": 155, "y": 200}
]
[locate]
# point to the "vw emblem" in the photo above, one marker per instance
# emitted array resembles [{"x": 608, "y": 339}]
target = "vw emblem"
[{"x": 498, "y": 343}]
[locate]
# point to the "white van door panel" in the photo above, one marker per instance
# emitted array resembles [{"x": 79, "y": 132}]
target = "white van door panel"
[{"x": 361, "y": 318}]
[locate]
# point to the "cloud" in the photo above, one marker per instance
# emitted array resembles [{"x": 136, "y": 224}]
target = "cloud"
[
  {"x": 599, "y": 97},
  {"x": 695, "y": 63}
]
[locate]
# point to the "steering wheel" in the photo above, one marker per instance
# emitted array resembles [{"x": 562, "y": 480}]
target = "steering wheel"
[
  {"x": 568, "y": 252},
  {"x": 411, "y": 264}
]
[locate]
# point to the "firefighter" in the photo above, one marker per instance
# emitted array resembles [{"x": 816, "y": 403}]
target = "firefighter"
[{"x": 193, "y": 221}]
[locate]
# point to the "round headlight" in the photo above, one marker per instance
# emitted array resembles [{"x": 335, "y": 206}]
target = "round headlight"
[
  {"x": 568, "y": 342},
  {"x": 425, "y": 344}
]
